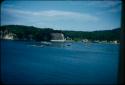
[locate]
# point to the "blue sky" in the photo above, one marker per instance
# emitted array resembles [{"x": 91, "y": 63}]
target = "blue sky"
[{"x": 63, "y": 15}]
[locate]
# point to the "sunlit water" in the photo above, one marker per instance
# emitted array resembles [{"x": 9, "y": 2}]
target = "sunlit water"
[{"x": 58, "y": 63}]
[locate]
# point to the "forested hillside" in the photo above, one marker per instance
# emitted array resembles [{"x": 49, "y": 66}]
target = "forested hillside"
[{"x": 43, "y": 34}]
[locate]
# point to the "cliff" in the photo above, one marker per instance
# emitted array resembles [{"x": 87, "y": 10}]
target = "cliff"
[{"x": 59, "y": 37}]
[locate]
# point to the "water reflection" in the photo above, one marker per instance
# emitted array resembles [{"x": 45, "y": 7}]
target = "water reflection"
[{"x": 51, "y": 44}]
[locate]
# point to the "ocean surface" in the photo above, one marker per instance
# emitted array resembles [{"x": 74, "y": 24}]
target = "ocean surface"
[{"x": 58, "y": 63}]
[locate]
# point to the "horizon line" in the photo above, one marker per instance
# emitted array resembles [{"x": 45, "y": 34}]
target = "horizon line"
[{"x": 58, "y": 29}]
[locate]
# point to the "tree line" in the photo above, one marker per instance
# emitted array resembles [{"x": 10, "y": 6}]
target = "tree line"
[{"x": 44, "y": 34}]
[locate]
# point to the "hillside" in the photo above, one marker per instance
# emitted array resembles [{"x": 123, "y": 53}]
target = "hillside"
[{"x": 43, "y": 34}]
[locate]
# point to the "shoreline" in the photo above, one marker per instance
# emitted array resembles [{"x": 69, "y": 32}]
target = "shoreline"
[{"x": 66, "y": 41}]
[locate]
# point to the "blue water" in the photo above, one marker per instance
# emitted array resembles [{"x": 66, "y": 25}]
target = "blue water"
[{"x": 58, "y": 63}]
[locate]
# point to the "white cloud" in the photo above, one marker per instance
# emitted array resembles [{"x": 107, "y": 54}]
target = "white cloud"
[
  {"x": 15, "y": 11},
  {"x": 52, "y": 14}
]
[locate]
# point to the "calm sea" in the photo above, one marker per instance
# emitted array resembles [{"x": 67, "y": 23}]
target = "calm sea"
[{"x": 58, "y": 63}]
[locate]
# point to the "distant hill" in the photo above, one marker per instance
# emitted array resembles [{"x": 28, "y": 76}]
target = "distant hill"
[
  {"x": 108, "y": 35},
  {"x": 43, "y": 34}
]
